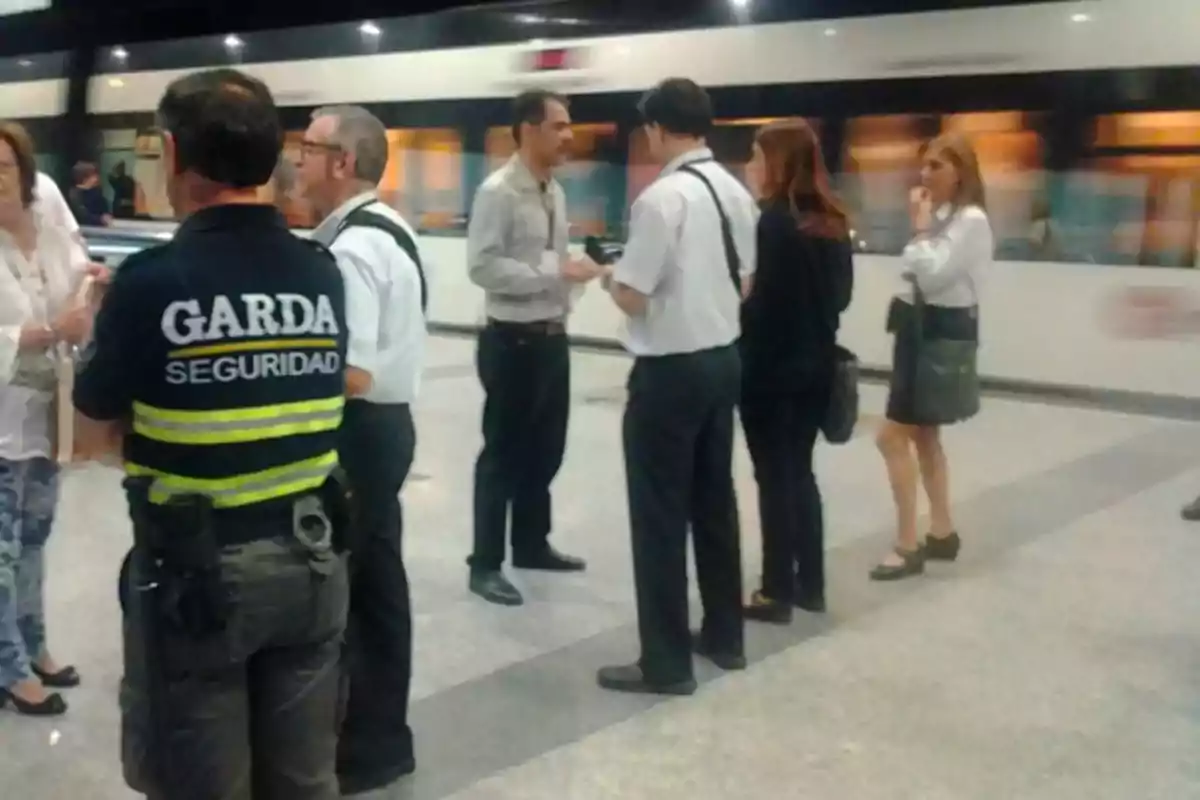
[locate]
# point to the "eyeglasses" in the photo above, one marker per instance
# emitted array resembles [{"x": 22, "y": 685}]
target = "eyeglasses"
[{"x": 309, "y": 147}]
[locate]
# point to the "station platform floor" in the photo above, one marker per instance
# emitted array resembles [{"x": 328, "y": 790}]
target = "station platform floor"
[{"x": 1058, "y": 659}]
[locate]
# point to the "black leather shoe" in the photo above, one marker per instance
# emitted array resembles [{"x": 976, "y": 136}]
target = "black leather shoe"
[
  {"x": 52, "y": 706},
  {"x": 351, "y": 783},
  {"x": 630, "y": 679},
  {"x": 942, "y": 548},
  {"x": 812, "y": 602},
  {"x": 1191, "y": 512},
  {"x": 912, "y": 563},
  {"x": 549, "y": 560},
  {"x": 495, "y": 588},
  {"x": 763, "y": 609},
  {"x": 65, "y": 678},
  {"x": 728, "y": 661}
]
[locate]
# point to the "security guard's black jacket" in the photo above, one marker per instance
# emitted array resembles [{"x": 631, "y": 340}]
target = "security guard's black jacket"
[{"x": 177, "y": 297}]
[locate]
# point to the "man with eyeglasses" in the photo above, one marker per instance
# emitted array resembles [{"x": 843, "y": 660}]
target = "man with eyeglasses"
[{"x": 343, "y": 158}]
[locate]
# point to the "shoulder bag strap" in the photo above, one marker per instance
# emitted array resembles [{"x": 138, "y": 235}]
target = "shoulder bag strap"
[
  {"x": 732, "y": 260},
  {"x": 360, "y": 217}
]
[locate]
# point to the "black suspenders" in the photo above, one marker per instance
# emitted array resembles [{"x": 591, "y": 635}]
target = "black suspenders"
[
  {"x": 732, "y": 260},
  {"x": 360, "y": 217}
]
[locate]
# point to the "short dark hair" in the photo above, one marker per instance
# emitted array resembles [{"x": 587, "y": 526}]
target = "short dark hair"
[
  {"x": 225, "y": 125},
  {"x": 82, "y": 171},
  {"x": 680, "y": 106},
  {"x": 15, "y": 136},
  {"x": 530, "y": 107}
]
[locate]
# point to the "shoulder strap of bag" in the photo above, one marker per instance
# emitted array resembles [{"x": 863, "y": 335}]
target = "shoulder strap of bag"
[
  {"x": 360, "y": 217},
  {"x": 732, "y": 260}
]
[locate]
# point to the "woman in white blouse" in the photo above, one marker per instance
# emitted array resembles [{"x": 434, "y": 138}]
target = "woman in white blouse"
[
  {"x": 951, "y": 247},
  {"x": 41, "y": 272}
]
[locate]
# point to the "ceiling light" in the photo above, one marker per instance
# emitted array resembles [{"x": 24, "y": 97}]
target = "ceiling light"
[
  {"x": 1081, "y": 17},
  {"x": 233, "y": 42},
  {"x": 25, "y": 62},
  {"x": 120, "y": 53},
  {"x": 739, "y": 3},
  {"x": 116, "y": 83},
  {"x": 369, "y": 28},
  {"x": 831, "y": 31}
]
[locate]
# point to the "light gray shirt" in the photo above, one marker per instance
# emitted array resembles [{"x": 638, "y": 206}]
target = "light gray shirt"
[
  {"x": 383, "y": 301},
  {"x": 516, "y": 239},
  {"x": 675, "y": 256}
]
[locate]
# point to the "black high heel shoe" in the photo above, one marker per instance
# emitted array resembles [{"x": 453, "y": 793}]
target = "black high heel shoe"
[
  {"x": 65, "y": 678},
  {"x": 52, "y": 706}
]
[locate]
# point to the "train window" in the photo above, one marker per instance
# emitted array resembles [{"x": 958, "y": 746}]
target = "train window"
[
  {"x": 1010, "y": 152},
  {"x": 435, "y": 179},
  {"x": 1146, "y": 169},
  {"x": 879, "y": 167},
  {"x": 1148, "y": 130},
  {"x": 732, "y": 140},
  {"x": 589, "y": 178}
]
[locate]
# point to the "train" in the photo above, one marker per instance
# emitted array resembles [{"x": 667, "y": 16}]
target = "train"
[{"x": 1086, "y": 116}]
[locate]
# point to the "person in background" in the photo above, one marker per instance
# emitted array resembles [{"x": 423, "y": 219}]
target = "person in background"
[
  {"x": 803, "y": 283},
  {"x": 686, "y": 267},
  {"x": 343, "y": 159},
  {"x": 41, "y": 272},
  {"x": 951, "y": 248},
  {"x": 517, "y": 241},
  {"x": 87, "y": 196},
  {"x": 124, "y": 190}
]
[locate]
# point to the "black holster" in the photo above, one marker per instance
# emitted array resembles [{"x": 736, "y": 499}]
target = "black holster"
[
  {"x": 179, "y": 539},
  {"x": 339, "y": 502}
]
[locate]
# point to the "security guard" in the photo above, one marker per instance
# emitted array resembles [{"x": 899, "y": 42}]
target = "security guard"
[
  {"x": 687, "y": 264},
  {"x": 222, "y": 352}
]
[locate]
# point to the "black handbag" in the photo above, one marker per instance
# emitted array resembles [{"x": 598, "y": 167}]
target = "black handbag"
[
  {"x": 946, "y": 376},
  {"x": 842, "y": 413}
]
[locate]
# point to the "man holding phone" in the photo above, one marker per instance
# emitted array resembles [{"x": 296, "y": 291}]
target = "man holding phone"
[{"x": 517, "y": 242}]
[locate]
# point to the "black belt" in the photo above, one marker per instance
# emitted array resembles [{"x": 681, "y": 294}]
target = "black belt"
[
  {"x": 541, "y": 327},
  {"x": 255, "y": 523}
]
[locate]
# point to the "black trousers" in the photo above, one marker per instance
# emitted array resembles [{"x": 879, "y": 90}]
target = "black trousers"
[
  {"x": 781, "y": 433},
  {"x": 526, "y": 372},
  {"x": 678, "y": 438},
  {"x": 376, "y": 450}
]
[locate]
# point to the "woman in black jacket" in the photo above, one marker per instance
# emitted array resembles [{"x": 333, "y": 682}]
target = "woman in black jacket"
[{"x": 802, "y": 284}]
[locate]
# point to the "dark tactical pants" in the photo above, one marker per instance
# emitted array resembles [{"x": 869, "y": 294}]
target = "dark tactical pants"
[{"x": 253, "y": 713}]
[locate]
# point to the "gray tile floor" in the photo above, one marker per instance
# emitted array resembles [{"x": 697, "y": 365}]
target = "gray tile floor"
[{"x": 1058, "y": 659}]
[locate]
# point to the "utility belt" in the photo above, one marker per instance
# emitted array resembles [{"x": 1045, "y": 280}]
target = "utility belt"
[{"x": 178, "y": 545}]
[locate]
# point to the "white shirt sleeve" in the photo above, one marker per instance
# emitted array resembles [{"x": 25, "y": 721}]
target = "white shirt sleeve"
[
  {"x": 364, "y": 298},
  {"x": 940, "y": 261},
  {"x": 648, "y": 245}
]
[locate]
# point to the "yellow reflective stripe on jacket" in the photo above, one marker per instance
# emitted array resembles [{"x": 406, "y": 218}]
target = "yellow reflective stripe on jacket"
[
  {"x": 241, "y": 490},
  {"x": 237, "y": 425}
]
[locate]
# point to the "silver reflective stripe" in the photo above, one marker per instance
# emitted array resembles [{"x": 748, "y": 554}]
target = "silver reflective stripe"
[{"x": 269, "y": 422}]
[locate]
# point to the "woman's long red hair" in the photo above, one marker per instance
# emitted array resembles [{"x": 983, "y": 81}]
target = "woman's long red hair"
[{"x": 796, "y": 175}]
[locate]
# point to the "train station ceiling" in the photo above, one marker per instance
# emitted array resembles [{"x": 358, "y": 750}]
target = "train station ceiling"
[{"x": 32, "y": 26}]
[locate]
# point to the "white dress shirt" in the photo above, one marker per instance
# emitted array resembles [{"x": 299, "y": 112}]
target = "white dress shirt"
[
  {"x": 383, "y": 301},
  {"x": 32, "y": 290},
  {"x": 675, "y": 256},
  {"x": 948, "y": 261}
]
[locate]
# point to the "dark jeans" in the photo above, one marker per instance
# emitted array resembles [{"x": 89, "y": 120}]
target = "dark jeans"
[
  {"x": 376, "y": 450},
  {"x": 678, "y": 438},
  {"x": 250, "y": 713},
  {"x": 781, "y": 432},
  {"x": 526, "y": 373}
]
